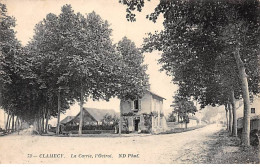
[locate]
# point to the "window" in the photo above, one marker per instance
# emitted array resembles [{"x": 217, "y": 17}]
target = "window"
[
  {"x": 136, "y": 105},
  {"x": 253, "y": 110}
]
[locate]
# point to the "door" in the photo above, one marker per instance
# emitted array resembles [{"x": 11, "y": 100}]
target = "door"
[{"x": 137, "y": 124}]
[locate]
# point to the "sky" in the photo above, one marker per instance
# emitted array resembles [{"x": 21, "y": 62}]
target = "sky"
[{"x": 29, "y": 12}]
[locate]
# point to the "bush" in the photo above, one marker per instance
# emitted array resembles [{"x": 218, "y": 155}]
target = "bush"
[
  {"x": 52, "y": 129},
  {"x": 92, "y": 131},
  {"x": 145, "y": 131},
  {"x": 86, "y": 132},
  {"x": 90, "y": 127},
  {"x": 125, "y": 131}
]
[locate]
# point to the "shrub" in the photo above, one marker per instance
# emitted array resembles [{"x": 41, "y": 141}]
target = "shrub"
[
  {"x": 145, "y": 131},
  {"x": 90, "y": 127}
]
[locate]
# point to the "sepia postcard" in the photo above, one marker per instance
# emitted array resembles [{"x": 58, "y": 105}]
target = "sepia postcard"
[{"x": 129, "y": 82}]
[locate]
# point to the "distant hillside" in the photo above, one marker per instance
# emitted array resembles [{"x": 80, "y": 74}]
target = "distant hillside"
[{"x": 210, "y": 113}]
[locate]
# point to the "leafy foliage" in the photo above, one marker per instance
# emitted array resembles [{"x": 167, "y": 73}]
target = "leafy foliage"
[
  {"x": 69, "y": 54},
  {"x": 183, "y": 107},
  {"x": 198, "y": 55},
  {"x": 171, "y": 117},
  {"x": 131, "y": 77},
  {"x": 108, "y": 119},
  {"x": 201, "y": 40}
]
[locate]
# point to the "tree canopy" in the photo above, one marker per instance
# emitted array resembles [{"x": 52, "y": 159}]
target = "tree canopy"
[
  {"x": 208, "y": 47},
  {"x": 71, "y": 57}
]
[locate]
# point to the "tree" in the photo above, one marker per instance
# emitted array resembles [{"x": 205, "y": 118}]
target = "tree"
[
  {"x": 183, "y": 107},
  {"x": 49, "y": 66},
  {"x": 192, "y": 24},
  {"x": 242, "y": 36},
  {"x": 96, "y": 59},
  {"x": 131, "y": 78},
  {"x": 171, "y": 117},
  {"x": 14, "y": 70},
  {"x": 79, "y": 55},
  {"x": 69, "y": 51},
  {"x": 108, "y": 119},
  {"x": 74, "y": 49}
]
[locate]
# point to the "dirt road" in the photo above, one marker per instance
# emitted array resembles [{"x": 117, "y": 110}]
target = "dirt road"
[{"x": 186, "y": 147}]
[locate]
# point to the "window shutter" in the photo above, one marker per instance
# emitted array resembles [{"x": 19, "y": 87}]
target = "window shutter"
[
  {"x": 142, "y": 120},
  {"x": 139, "y": 104},
  {"x": 132, "y": 105},
  {"x": 130, "y": 124}
]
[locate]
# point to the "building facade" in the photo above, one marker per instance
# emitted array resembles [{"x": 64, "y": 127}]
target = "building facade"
[
  {"x": 143, "y": 115},
  {"x": 254, "y": 113}
]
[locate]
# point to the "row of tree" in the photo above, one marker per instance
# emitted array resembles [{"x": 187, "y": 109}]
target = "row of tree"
[
  {"x": 210, "y": 48},
  {"x": 182, "y": 108},
  {"x": 70, "y": 58}
]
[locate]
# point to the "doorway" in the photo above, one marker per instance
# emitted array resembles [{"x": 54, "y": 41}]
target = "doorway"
[{"x": 137, "y": 121}]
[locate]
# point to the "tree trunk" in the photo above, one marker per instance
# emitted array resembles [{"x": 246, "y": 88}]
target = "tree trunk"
[
  {"x": 58, "y": 119},
  {"x": 245, "y": 95},
  {"x": 47, "y": 121},
  {"x": 43, "y": 117},
  {"x": 16, "y": 123},
  {"x": 7, "y": 121},
  {"x": 47, "y": 116},
  {"x": 4, "y": 120},
  {"x": 12, "y": 122},
  {"x": 226, "y": 108},
  {"x": 81, "y": 112},
  {"x": 230, "y": 118},
  {"x": 233, "y": 103},
  {"x": 38, "y": 124},
  {"x": 18, "y": 130},
  {"x": 120, "y": 117}
]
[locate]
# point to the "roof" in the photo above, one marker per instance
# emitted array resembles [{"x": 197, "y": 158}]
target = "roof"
[
  {"x": 98, "y": 114},
  {"x": 95, "y": 114},
  {"x": 67, "y": 119},
  {"x": 156, "y": 94}
]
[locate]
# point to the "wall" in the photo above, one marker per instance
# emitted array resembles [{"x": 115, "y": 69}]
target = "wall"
[
  {"x": 146, "y": 103},
  {"x": 156, "y": 105},
  {"x": 149, "y": 103},
  {"x": 126, "y": 107},
  {"x": 255, "y": 104}
]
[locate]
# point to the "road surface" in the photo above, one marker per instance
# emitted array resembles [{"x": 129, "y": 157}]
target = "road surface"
[{"x": 186, "y": 147}]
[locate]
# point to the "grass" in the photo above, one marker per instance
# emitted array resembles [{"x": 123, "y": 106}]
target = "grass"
[{"x": 227, "y": 150}]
